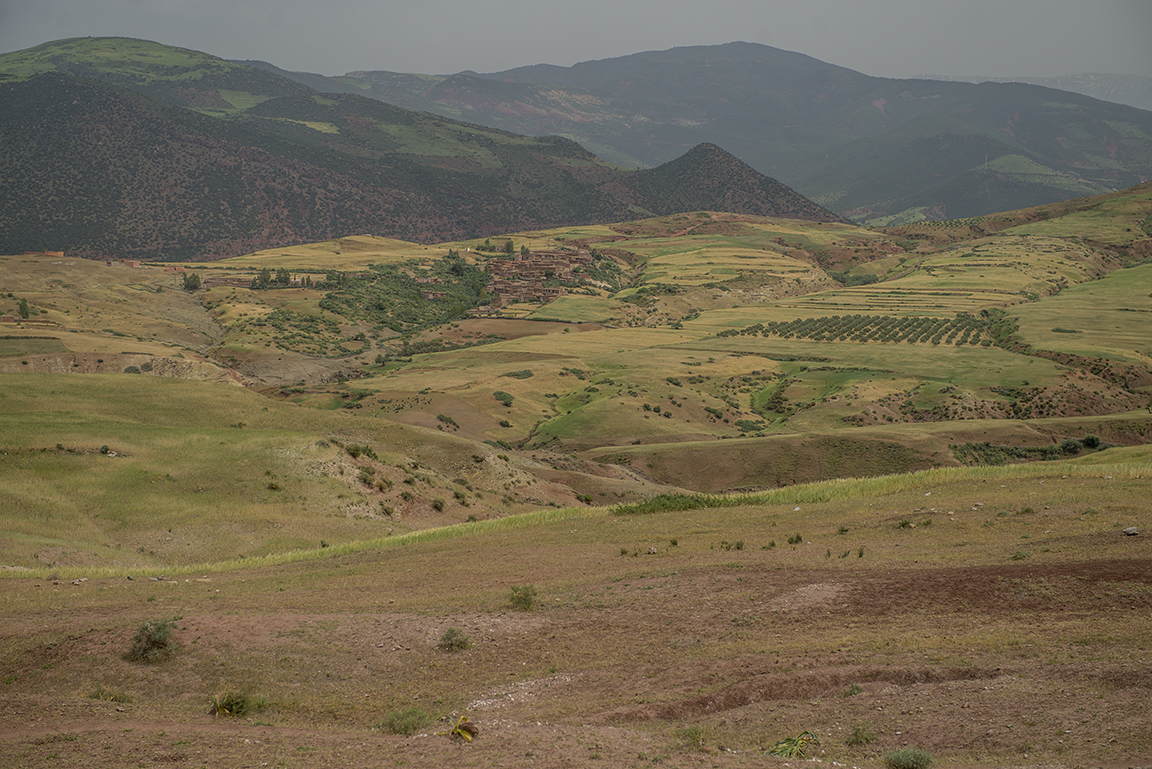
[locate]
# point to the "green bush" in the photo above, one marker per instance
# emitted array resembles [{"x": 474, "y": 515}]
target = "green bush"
[
  {"x": 454, "y": 640},
  {"x": 406, "y": 720},
  {"x": 153, "y": 641},
  {"x": 908, "y": 758},
  {"x": 522, "y": 597}
]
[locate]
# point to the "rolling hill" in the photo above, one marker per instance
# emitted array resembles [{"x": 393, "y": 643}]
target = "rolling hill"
[
  {"x": 314, "y": 512},
  {"x": 115, "y": 147}
]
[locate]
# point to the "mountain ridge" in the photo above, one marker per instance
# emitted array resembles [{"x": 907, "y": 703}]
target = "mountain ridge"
[
  {"x": 786, "y": 114},
  {"x": 224, "y": 171}
]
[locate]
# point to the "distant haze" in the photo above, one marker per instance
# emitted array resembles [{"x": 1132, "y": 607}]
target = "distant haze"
[{"x": 887, "y": 38}]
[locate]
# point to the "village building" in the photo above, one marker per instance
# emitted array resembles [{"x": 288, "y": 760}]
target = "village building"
[{"x": 521, "y": 278}]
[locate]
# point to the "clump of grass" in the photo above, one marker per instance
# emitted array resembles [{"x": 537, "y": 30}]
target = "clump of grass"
[
  {"x": 406, "y": 720},
  {"x": 908, "y": 758},
  {"x": 153, "y": 642},
  {"x": 522, "y": 597},
  {"x": 109, "y": 695},
  {"x": 691, "y": 737},
  {"x": 796, "y": 539},
  {"x": 454, "y": 640},
  {"x": 860, "y": 736},
  {"x": 236, "y": 703}
]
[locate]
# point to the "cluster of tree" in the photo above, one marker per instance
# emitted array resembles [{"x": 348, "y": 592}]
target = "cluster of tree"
[
  {"x": 333, "y": 279},
  {"x": 390, "y": 297},
  {"x": 507, "y": 248}
]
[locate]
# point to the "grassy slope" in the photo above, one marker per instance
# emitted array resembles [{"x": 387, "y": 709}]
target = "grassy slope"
[
  {"x": 640, "y": 380},
  {"x": 992, "y": 595}
]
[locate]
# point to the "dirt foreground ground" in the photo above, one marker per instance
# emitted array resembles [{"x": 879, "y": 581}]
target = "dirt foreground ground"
[{"x": 677, "y": 639}]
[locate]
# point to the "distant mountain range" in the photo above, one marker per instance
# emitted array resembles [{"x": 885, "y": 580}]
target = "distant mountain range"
[
  {"x": 874, "y": 149},
  {"x": 1133, "y": 90},
  {"x": 112, "y": 146}
]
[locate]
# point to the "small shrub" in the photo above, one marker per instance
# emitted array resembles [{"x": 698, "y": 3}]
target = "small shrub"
[
  {"x": 908, "y": 758},
  {"x": 522, "y": 597},
  {"x": 793, "y": 747},
  {"x": 438, "y": 505},
  {"x": 860, "y": 736},
  {"x": 153, "y": 641},
  {"x": 1019, "y": 555},
  {"x": 236, "y": 704},
  {"x": 454, "y": 640}
]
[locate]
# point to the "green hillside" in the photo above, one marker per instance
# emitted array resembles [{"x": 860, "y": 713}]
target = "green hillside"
[{"x": 127, "y": 148}]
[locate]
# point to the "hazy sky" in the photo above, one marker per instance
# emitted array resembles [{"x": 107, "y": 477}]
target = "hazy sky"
[{"x": 889, "y": 38}]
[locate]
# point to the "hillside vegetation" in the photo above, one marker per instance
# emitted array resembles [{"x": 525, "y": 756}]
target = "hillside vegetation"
[
  {"x": 704, "y": 351},
  {"x": 729, "y": 481},
  {"x": 112, "y": 147}
]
